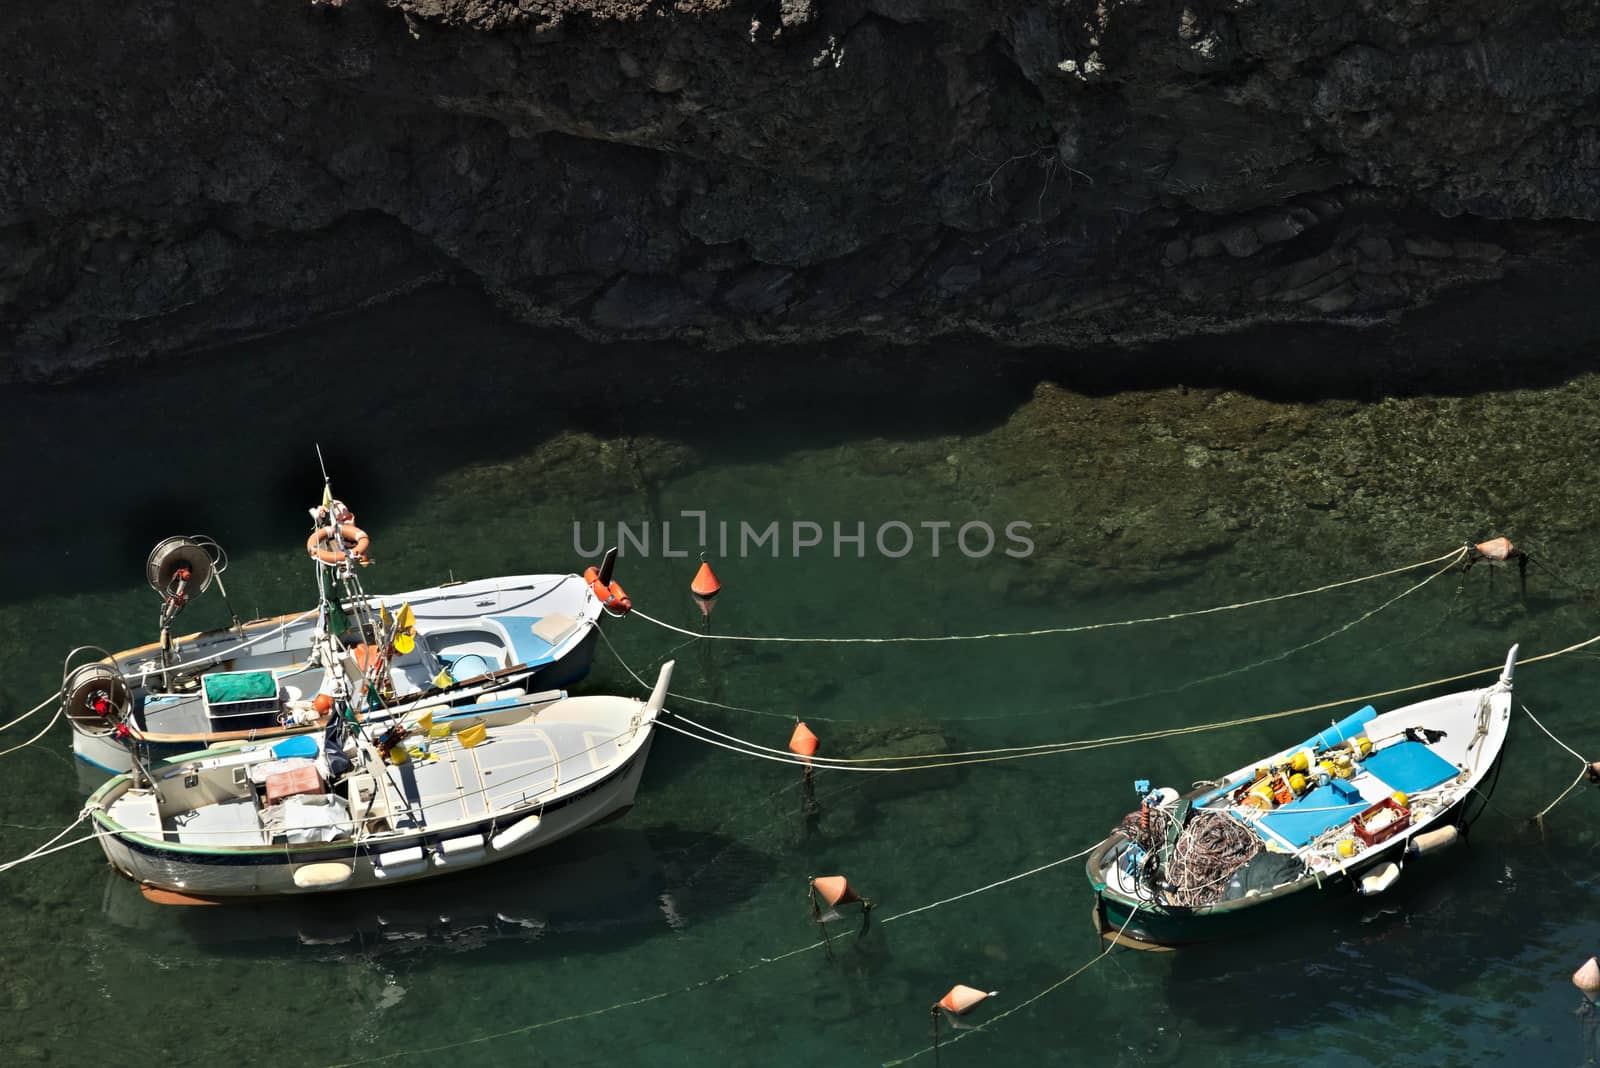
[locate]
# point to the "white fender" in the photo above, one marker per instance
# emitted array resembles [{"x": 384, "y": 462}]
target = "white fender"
[
  {"x": 514, "y": 834},
  {"x": 1380, "y": 879},
  {"x": 1433, "y": 841}
]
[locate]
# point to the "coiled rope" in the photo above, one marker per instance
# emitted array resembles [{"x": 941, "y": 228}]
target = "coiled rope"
[{"x": 1455, "y": 556}]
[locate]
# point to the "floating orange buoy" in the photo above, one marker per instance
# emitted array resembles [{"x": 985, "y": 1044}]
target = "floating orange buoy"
[
  {"x": 834, "y": 889},
  {"x": 963, "y": 999},
  {"x": 802, "y": 742},
  {"x": 1587, "y": 978},
  {"x": 705, "y": 588},
  {"x": 1498, "y": 550}
]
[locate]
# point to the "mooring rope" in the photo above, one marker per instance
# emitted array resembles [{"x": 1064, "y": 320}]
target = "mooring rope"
[
  {"x": 1583, "y": 772},
  {"x": 760, "y": 962},
  {"x": 1091, "y": 706},
  {"x": 1454, "y": 556},
  {"x": 1052, "y": 988},
  {"x": 41, "y": 706},
  {"x": 983, "y": 752},
  {"x": 986, "y": 756},
  {"x": 45, "y": 849},
  {"x": 42, "y": 732}
]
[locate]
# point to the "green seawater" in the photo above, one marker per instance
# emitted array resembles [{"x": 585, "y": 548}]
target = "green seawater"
[{"x": 469, "y": 447}]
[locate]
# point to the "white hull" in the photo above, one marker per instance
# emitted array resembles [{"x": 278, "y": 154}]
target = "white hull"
[
  {"x": 481, "y": 624},
  {"x": 222, "y": 823}
]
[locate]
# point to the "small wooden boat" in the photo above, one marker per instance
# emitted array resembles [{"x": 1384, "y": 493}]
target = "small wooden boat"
[
  {"x": 1340, "y": 814},
  {"x": 485, "y": 639},
  {"x": 434, "y": 796}
]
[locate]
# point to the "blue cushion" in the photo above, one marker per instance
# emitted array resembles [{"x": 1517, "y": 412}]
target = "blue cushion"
[
  {"x": 1306, "y": 817},
  {"x": 1409, "y": 767},
  {"x": 301, "y": 745},
  {"x": 527, "y": 648}
]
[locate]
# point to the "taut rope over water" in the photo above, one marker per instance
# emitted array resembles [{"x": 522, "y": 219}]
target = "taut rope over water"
[{"x": 1454, "y": 556}]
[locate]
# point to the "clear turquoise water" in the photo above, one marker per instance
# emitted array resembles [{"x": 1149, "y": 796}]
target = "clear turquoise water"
[{"x": 469, "y": 448}]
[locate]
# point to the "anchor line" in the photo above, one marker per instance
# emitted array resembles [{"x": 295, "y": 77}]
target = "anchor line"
[
  {"x": 1164, "y": 691},
  {"x": 980, "y": 752},
  {"x": 41, "y": 706},
  {"x": 1052, "y": 988},
  {"x": 42, "y": 732},
  {"x": 45, "y": 848},
  {"x": 980, "y": 756},
  {"x": 1455, "y": 556},
  {"x": 760, "y": 962},
  {"x": 1583, "y": 772}
]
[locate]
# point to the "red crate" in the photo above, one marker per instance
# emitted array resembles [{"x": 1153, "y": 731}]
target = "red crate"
[
  {"x": 1398, "y": 819},
  {"x": 305, "y": 780}
]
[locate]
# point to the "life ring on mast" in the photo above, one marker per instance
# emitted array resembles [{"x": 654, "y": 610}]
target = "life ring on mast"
[
  {"x": 321, "y": 544},
  {"x": 610, "y": 595}
]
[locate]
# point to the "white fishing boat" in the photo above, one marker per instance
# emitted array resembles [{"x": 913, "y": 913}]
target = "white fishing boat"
[
  {"x": 1343, "y": 813},
  {"x": 442, "y": 792},
  {"x": 492, "y": 640}
]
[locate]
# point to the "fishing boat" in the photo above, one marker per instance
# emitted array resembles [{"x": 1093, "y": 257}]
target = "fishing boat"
[
  {"x": 440, "y": 792},
  {"x": 1340, "y": 814},
  {"x": 488, "y": 639}
]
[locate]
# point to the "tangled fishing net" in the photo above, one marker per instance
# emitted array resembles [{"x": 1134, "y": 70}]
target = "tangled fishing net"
[{"x": 1204, "y": 856}]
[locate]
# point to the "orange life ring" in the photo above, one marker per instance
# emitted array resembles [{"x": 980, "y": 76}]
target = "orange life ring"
[
  {"x": 355, "y": 540},
  {"x": 610, "y": 597}
]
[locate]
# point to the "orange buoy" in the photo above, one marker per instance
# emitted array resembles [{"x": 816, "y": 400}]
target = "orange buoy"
[
  {"x": 834, "y": 889},
  {"x": 1498, "y": 550},
  {"x": 1587, "y": 978},
  {"x": 705, "y": 588},
  {"x": 802, "y": 742},
  {"x": 963, "y": 999},
  {"x": 323, "y": 703}
]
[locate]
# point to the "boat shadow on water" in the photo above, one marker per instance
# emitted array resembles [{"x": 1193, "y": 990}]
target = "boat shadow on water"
[
  {"x": 1430, "y": 939},
  {"x": 595, "y": 892}
]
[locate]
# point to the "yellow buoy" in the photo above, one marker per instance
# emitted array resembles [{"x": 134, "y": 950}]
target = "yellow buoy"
[
  {"x": 1297, "y": 783},
  {"x": 1347, "y": 847},
  {"x": 1400, "y": 798}
]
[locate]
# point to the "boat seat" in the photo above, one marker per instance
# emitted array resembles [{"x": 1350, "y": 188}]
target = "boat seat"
[{"x": 1409, "y": 767}]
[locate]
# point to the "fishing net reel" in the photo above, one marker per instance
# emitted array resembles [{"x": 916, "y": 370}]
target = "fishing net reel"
[
  {"x": 179, "y": 570},
  {"x": 94, "y": 695}
]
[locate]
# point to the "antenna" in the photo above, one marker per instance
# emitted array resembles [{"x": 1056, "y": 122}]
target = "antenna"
[{"x": 320, "y": 463}]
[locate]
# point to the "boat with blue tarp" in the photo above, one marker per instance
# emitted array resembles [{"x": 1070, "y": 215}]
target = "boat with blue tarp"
[{"x": 1340, "y": 814}]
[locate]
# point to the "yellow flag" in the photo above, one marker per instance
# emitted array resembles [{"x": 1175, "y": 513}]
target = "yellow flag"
[
  {"x": 327, "y": 494},
  {"x": 405, "y": 630},
  {"x": 443, "y": 679},
  {"x": 384, "y": 617}
]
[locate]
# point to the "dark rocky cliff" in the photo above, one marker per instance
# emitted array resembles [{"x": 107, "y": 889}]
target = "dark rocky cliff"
[{"x": 176, "y": 174}]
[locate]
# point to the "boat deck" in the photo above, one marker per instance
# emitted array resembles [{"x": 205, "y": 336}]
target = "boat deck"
[{"x": 518, "y": 764}]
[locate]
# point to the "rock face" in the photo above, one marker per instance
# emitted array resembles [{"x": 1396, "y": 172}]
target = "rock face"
[{"x": 175, "y": 175}]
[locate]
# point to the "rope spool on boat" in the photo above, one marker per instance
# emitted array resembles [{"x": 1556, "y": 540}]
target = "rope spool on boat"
[
  {"x": 170, "y": 560},
  {"x": 95, "y": 698},
  {"x": 324, "y": 548}
]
